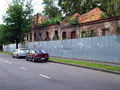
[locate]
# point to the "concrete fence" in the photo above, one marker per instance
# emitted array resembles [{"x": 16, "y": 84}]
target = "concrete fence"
[{"x": 105, "y": 48}]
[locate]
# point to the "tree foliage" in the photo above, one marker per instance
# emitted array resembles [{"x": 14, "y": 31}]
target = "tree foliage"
[
  {"x": 50, "y": 9},
  {"x": 110, "y": 7},
  {"x": 1, "y": 35},
  {"x": 118, "y": 31},
  {"x": 70, "y": 7},
  {"x": 17, "y": 21}
]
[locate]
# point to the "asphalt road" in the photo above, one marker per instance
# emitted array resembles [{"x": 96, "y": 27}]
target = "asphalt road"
[{"x": 18, "y": 74}]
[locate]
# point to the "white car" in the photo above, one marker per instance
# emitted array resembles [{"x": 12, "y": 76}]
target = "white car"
[{"x": 21, "y": 52}]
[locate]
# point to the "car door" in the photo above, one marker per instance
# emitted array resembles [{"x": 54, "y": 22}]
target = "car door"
[
  {"x": 32, "y": 54},
  {"x": 29, "y": 54}
]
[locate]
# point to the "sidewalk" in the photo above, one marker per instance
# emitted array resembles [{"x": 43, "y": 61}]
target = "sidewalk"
[
  {"x": 91, "y": 61},
  {"x": 101, "y": 66}
]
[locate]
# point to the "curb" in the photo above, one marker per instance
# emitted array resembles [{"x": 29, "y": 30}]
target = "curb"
[{"x": 109, "y": 71}]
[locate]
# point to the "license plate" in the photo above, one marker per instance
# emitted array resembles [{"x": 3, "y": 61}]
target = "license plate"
[{"x": 42, "y": 58}]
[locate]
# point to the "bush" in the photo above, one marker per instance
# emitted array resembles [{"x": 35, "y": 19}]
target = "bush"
[
  {"x": 118, "y": 31},
  {"x": 72, "y": 21},
  {"x": 55, "y": 20},
  {"x": 103, "y": 16}
]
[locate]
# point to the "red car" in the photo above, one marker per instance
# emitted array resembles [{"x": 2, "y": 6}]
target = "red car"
[{"x": 37, "y": 55}]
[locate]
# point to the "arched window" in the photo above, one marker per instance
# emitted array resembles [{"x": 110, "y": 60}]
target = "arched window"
[
  {"x": 82, "y": 34},
  {"x": 27, "y": 37},
  {"x": 64, "y": 35},
  {"x": 40, "y": 37},
  {"x": 35, "y": 36},
  {"x": 30, "y": 37},
  {"x": 105, "y": 32},
  {"x": 73, "y": 34},
  {"x": 56, "y": 35},
  {"x": 47, "y": 36}
]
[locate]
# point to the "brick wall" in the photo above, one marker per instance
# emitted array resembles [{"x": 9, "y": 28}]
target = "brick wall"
[{"x": 98, "y": 28}]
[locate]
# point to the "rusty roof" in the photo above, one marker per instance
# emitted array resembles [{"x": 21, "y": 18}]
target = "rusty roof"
[{"x": 92, "y": 15}]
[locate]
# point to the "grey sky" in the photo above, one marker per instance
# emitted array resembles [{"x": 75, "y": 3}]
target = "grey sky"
[{"x": 37, "y": 6}]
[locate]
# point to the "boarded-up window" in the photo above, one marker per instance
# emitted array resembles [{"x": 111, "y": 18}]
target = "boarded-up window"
[
  {"x": 64, "y": 35},
  {"x": 73, "y": 34}
]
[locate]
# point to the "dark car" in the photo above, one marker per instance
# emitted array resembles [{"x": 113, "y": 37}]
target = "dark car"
[{"x": 37, "y": 55}]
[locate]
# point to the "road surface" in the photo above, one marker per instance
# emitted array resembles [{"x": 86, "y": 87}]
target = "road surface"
[{"x": 18, "y": 74}]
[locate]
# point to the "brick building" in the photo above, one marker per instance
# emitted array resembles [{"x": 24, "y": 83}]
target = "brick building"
[{"x": 89, "y": 25}]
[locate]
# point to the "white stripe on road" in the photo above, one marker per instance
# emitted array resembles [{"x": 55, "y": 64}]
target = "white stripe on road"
[
  {"x": 44, "y": 76},
  {"x": 23, "y": 68},
  {"x": 1, "y": 59},
  {"x": 7, "y": 62}
]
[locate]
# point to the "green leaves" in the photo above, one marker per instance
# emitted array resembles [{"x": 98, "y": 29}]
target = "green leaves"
[
  {"x": 55, "y": 20},
  {"x": 70, "y": 7},
  {"x": 103, "y": 16},
  {"x": 17, "y": 20},
  {"x": 118, "y": 31},
  {"x": 50, "y": 9},
  {"x": 110, "y": 7},
  {"x": 72, "y": 21}
]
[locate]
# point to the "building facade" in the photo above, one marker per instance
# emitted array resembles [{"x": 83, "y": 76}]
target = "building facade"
[
  {"x": 89, "y": 25},
  {"x": 89, "y": 29}
]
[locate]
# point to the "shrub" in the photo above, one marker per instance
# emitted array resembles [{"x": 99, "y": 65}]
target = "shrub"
[
  {"x": 55, "y": 20},
  {"x": 72, "y": 21},
  {"x": 118, "y": 31},
  {"x": 103, "y": 16}
]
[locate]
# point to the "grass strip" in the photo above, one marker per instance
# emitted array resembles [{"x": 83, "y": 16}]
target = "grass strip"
[
  {"x": 5, "y": 52},
  {"x": 89, "y": 64}
]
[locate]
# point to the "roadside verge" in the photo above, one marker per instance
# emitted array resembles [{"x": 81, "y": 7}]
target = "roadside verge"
[{"x": 88, "y": 65}]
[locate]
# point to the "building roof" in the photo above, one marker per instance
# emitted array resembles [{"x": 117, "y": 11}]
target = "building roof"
[
  {"x": 92, "y": 15},
  {"x": 76, "y": 15}
]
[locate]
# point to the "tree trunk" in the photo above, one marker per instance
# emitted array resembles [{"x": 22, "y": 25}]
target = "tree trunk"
[{"x": 17, "y": 44}]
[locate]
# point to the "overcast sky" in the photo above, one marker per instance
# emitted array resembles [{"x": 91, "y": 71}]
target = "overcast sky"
[{"x": 37, "y": 6}]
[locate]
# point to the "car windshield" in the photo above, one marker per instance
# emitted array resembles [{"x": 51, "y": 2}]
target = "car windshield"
[
  {"x": 23, "y": 49},
  {"x": 40, "y": 51}
]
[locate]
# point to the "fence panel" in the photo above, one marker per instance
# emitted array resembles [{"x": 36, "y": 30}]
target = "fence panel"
[{"x": 105, "y": 48}]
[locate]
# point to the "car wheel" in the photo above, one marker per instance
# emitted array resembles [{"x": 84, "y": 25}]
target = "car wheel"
[
  {"x": 13, "y": 56},
  {"x": 17, "y": 56},
  {"x": 33, "y": 59},
  {"x": 26, "y": 58},
  {"x": 46, "y": 60}
]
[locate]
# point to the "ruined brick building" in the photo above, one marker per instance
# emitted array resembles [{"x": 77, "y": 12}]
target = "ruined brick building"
[{"x": 90, "y": 25}]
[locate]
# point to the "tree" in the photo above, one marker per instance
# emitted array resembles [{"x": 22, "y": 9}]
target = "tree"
[
  {"x": 50, "y": 9},
  {"x": 110, "y": 7},
  {"x": 70, "y": 7},
  {"x": 17, "y": 21},
  {"x": 1, "y": 35}
]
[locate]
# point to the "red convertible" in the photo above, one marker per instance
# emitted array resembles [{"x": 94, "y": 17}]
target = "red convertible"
[{"x": 37, "y": 55}]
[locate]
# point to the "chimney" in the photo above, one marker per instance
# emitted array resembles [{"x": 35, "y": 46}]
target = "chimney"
[{"x": 37, "y": 17}]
